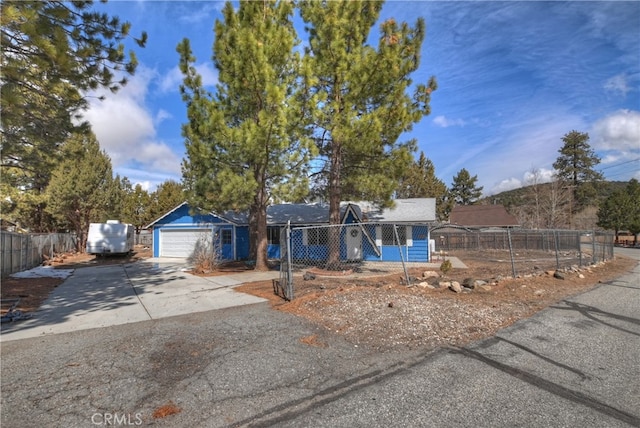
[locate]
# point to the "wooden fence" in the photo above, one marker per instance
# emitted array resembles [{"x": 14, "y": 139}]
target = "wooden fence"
[{"x": 22, "y": 251}]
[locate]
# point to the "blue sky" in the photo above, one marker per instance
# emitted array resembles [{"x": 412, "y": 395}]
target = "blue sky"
[{"x": 514, "y": 78}]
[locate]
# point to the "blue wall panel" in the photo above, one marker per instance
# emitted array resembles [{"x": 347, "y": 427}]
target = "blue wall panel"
[{"x": 242, "y": 242}]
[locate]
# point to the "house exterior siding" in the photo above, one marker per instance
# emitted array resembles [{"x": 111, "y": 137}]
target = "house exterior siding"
[
  {"x": 180, "y": 219},
  {"x": 360, "y": 235},
  {"x": 415, "y": 249}
]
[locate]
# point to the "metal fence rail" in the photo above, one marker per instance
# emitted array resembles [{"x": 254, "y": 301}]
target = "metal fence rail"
[
  {"x": 19, "y": 251},
  {"x": 373, "y": 249}
]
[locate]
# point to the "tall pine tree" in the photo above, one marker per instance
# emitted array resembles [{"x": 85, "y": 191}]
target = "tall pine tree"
[
  {"x": 364, "y": 102},
  {"x": 247, "y": 142},
  {"x": 464, "y": 190},
  {"x": 53, "y": 53},
  {"x": 575, "y": 167},
  {"x": 78, "y": 193}
]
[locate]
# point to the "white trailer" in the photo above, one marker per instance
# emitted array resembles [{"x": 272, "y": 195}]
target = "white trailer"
[{"x": 111, "y": 237}]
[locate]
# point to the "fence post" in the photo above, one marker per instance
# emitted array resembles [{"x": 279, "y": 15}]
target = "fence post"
[
  {"x": 11, "y": 254},
  {"x": 289, "y": 268},
  {"x": 579, "y": 238},
  {"x": 555, "y": 239},
  {"x": 513, "y": 263},
  {"x": 404, "y": 267}
]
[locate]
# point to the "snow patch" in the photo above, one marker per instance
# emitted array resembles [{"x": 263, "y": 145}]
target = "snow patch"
[{"x": 43, "y": 272}]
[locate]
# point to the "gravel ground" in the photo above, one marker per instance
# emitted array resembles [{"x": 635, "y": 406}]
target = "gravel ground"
[{"x": 382, "y": 313}]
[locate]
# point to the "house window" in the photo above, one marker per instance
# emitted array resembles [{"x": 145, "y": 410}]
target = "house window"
[
  {"x": 317, "y": 236},
  {"x": 389, "y": 236},
  {"x": 226, "y": 237},
  {"x": 273, "y": 235}
]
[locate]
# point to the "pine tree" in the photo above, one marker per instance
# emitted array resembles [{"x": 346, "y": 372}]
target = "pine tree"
[
  {"x": 463, "y": 188},
  {"x": 363, "y": 103},
  {"x": 53, "y": 53},
  {"x": 420, "y": 181},
  {"x": 167, "y": 196},
  {"x": 246, "y": 142},
  {"x": 79, "y": 188},
  {"x": 621, "y": 210},
  {"x": 575, "y": 166},
  {"x": 136, "y": 209},
  {"x": 633, "y": 190}
]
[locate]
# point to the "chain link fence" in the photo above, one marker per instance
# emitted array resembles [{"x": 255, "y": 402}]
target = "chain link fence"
[
  {"x": 144, "y": 238},
  {"x": 524, "y": 249},
  {"x": 374, "y": 249},
  {"x": 20, "y": 251},
  {"x": 350, "y": 249}
]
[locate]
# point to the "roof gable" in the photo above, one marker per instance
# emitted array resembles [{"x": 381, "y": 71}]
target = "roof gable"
[
  {"x": 182, "y": 214},
  {"x": 307, "y": 214}
]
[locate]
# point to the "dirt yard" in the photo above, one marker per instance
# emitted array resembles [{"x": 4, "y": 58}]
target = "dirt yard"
[{"x": 383, "y": 313}]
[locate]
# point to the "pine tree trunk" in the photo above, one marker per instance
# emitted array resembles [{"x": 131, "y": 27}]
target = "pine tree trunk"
[
  {"x": 335, "y": 196},
  {"x": 259, "y": 223}
]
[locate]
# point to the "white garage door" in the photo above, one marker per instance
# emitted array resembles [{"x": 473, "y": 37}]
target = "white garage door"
[{"x": 181, "y": 242}]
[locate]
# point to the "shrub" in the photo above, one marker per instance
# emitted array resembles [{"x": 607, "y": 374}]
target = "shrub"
[
  {"x": 445, "y": 267},
  {"x": 206, "y": 256}
]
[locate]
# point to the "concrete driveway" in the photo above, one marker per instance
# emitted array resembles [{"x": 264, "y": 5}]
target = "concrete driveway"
[{"x": 102, "y": 296}]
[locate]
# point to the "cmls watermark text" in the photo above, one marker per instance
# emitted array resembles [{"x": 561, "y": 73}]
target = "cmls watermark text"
[{"x": 116, "y": 419}]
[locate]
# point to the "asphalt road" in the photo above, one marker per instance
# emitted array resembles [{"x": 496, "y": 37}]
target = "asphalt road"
[{"x": 575, "y": 364}]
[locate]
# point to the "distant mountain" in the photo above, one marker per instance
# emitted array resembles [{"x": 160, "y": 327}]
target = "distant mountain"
[
  {"x": 521, "y": 196},
  {"x": 555, "y": 208}
]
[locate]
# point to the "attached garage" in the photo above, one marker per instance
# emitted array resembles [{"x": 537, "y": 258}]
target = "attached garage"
[
  {"x": 176, "y": 234},
  {"x": 181, "y": 242}
]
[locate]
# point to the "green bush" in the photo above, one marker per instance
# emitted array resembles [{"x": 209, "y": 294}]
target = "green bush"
[{"x": 445, "y": 267}]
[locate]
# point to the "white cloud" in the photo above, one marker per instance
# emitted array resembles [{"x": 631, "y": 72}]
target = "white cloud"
[
  {"x": 206, "y": 12},
  {"x": 543, "y": 176},
  {"x": 445, "y": 123},
  {"x": 612, "y": 158},
  {"x": 504, "y": 185},
  {"x": 618, "y": 84},
  {"x": 161, "y": 116},
  {"x": 125, "y": 127},
  {"x": 172, "y": 79},
  {"x": 618, "y": 131},
  {"x": 146, "y": 185}
]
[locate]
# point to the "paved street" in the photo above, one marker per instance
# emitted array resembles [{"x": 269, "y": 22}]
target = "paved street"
[{"x": 574, "y": 365}]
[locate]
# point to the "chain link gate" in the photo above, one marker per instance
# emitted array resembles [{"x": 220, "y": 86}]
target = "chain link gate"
[
  {"x": 283, "y": 286},
  {"x": 354, "y": 250}
]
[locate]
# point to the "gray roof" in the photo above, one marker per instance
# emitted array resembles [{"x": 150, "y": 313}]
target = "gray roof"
[
  {"x": 306, "y": 214},
  {"x": 414, "y": 210},
  {"x": 419, "y": 210}
]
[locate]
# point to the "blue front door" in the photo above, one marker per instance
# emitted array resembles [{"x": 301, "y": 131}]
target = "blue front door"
[{"x": 225, "y": 242}]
